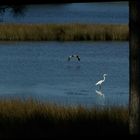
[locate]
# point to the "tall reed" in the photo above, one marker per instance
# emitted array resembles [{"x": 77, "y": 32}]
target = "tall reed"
[
  {"x": 35, "y": 117},
  {"x": 63, "y": 32}
]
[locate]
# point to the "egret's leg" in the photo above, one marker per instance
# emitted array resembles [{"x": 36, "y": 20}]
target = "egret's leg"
[{"x": 100, "y": 87}]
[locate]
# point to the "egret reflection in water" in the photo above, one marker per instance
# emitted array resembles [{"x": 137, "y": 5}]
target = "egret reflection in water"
[
  {"x": 100, "y": 98},
  {"x": 100, "y": 93}
]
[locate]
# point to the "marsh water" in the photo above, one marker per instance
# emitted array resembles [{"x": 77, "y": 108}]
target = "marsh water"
[
  {"x": 103, "y": 12},
  {"x": 41, "y": 70}
]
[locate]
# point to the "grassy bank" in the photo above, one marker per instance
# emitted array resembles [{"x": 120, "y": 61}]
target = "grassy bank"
[
  {"x": 31, "y": 118},
  {"x": 63, "y": 32}
]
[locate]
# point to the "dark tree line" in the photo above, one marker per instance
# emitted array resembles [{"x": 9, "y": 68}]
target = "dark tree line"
[{"x": 14, "y": 9}]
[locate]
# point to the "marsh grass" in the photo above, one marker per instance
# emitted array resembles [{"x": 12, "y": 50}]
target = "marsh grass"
[
  {"x": 32, "y": 118},
  {"x": 63, "y": 32}
]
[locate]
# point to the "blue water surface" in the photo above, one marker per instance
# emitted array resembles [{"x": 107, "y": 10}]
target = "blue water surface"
[
  {"x": 98, "y": 12},
  {"x": 40, "y": 70}
]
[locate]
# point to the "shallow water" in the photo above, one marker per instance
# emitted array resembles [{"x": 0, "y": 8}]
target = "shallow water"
[
  {"x": 40, "y": 70},
  {"x": 103, "y": 12}
]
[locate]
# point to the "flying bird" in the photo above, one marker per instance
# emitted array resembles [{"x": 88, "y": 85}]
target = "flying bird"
[
  {"x": 101, "y": 81},
  {"x": 74, "y": 56}
]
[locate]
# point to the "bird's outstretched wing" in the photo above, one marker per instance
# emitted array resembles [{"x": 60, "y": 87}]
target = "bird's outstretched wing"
[{"x": 78, "y": 58}]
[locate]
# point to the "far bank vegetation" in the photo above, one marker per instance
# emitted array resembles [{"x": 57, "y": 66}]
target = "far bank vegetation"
[{"x": 64, "y": 32}]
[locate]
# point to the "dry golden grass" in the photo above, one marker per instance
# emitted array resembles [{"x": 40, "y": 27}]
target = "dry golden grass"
[
  {"x": 63, "y": 32},
  {"x": 31, "y": 118}
]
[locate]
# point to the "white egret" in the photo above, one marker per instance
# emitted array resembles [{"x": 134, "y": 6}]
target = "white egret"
[
  {"x": 101, "y": 81},
  {"x": 74, "y": 56}
]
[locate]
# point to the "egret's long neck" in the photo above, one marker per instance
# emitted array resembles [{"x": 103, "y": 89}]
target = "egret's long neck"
[{"x": 104, "y": 78}]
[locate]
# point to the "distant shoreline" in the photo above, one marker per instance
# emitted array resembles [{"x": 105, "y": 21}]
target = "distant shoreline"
[{"x": 64, "y": 32}]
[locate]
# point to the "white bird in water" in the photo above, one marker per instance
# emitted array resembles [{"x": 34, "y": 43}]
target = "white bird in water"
[
  {"x": 74, "y": 56},
  {"x": 101, "y": 81}
]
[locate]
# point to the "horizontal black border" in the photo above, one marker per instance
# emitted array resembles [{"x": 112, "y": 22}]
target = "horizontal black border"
[{"x": 15, "y": 2}]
